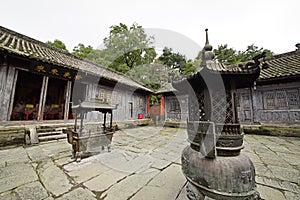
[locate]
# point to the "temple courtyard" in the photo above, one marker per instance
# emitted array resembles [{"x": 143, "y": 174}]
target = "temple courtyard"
[{"x": 144, "y": 163}]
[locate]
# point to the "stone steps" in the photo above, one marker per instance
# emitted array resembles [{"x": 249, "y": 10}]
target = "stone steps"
[
  {"x": 52, "y": 137},
  {"x": 53, "y": 132}
]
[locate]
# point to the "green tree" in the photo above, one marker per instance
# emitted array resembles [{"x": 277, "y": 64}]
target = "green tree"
[
  {"x": 102, "y": 57},
  {"x": 230, "y": 56},
  {"x": 253, "y": 51},
  {"x": 58, "y": 44},
  {"x": 152, "y": 75},
  {"x": 177, "y": 62},
  {"x": 82, "y": 51},
  {"x": 130, "y": 47}
]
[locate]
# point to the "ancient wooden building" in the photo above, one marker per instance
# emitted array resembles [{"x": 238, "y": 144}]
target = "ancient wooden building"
[
  {"x": 40, "y": 82},
  {"x": 275, "y": 97}
]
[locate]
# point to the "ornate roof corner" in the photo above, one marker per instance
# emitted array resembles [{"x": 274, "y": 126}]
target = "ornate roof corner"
[{"x": 298, "y": 47}]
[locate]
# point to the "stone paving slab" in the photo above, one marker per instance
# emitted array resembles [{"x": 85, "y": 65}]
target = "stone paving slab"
[
  {"x": 53, "y": 178},
  {"x": 13, "y": 176},
  {"x": 270, "y": 193},
  {"x": 36, "y": 154},
  {"x": 78, "y": 193},
  {"x": 129, "y": 186},
  {"x": 105, "y": 180},
  {"x": 33, "y": 190},
  {"x": 87, "y": 172},
  {"x": 166, "y": 185},
  {"x": 12, "y": 156}
]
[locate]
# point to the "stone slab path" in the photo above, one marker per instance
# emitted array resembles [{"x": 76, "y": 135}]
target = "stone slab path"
[{"x": 144, "y": 164}]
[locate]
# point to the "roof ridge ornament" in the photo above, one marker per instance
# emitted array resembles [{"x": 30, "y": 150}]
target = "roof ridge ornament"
[
  {"x": 207, "y": 46},
  {"x": 207, "y": 54}
]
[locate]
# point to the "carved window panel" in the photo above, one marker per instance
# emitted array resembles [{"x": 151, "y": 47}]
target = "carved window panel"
[
  {"x": 141, "y": 102},
  {"x": 108, "y": 96},
  {"x": 293, "y": 98},
  {"x": 269, "y": 100},
  {"x": 281, "y": 99},
  {"x": 174, "y": 105},
  {"x": 246, "y": 101},
  {"x": 102, "y": 96}
]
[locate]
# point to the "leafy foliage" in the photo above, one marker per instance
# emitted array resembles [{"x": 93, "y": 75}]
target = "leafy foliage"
[
  {"x": 177, "y": 62},
  {"x": 58, "y": 44},
  {"x": 230, "y": 56},
  {"x": 152, "y": 75},
  {"x": 129, "y": 47},
  {"x": 82, "y": 51}
]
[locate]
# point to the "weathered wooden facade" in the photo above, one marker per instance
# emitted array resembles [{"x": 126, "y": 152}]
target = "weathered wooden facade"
[
  {"x": 276, "y": 96},
  {"x": 40, "y": 82}
]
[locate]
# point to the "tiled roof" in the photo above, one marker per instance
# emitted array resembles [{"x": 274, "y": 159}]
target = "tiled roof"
[
  {"x": 166, "y": 88},
  {"x": 231, "y": 69},
  {"x": 22, "y": 45},
  {"x": 282, "y": 65}
]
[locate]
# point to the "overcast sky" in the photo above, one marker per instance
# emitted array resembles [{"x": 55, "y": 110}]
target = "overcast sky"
[{"x": 271, "y": 24}]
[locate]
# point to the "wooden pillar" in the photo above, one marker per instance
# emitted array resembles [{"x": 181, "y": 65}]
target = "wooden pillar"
[
  {"x": 43, "y": 97},
  {"x": 162, "y": 108},
  {"x": 12, "y": 95},
  {"x": 148, "y": 105},
  {"x": 8, "y": 80},
  {"x": 68, "y": 98}
]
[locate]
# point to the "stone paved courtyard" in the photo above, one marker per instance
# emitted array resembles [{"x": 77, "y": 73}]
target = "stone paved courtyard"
[{"x": 144, "y": 163}]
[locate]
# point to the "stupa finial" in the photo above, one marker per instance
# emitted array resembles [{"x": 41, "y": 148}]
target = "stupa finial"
[{"x": 209, "y": 55}]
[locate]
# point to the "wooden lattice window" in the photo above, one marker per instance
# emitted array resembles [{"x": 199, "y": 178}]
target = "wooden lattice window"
[
  {"x": 270, "y": 99},
  {"x": 105, "y": 96},
  {"x": 102, "y": 96},
  {"x": 108, "y": 97},
  {"x": 281, "y": 99},
  {"x": 174, "y": 105},
  {"x": 141, "y": 102},
  {"x": 293, "y": 98}
]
